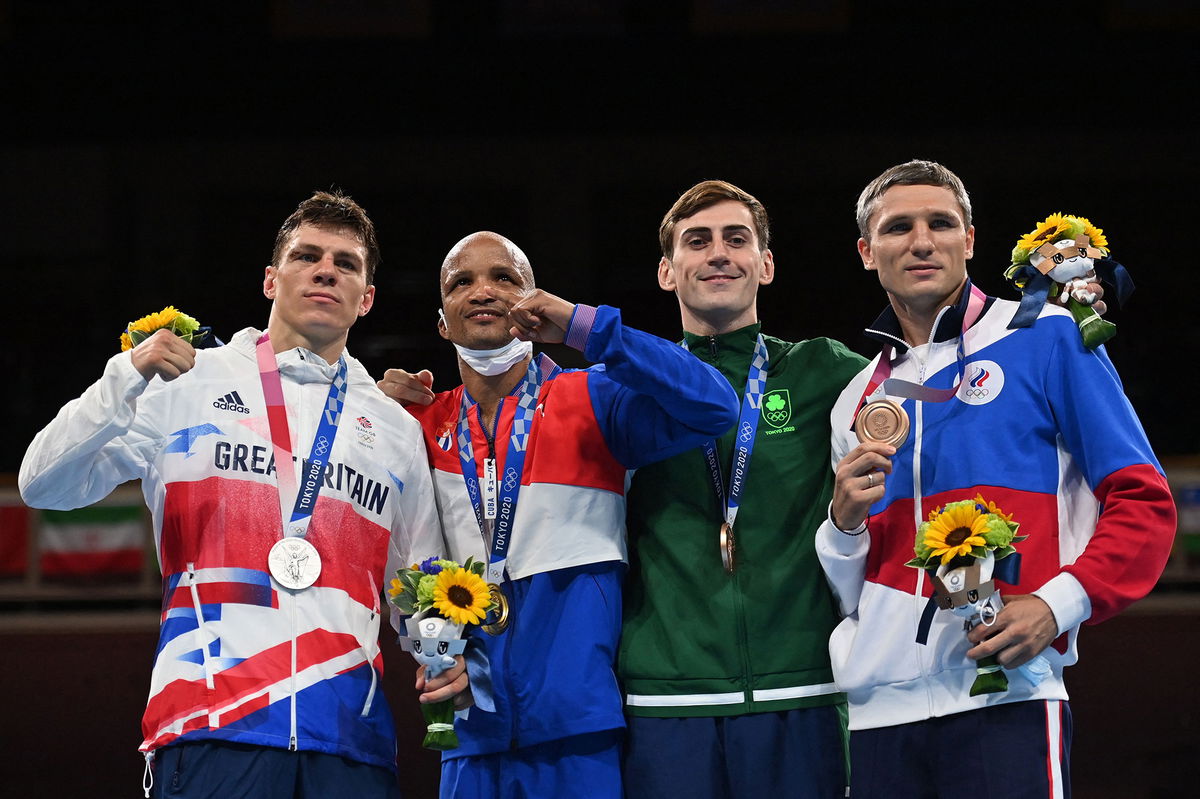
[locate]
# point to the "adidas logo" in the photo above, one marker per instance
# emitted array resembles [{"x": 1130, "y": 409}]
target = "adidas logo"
[{"x": 231, "y": 402}]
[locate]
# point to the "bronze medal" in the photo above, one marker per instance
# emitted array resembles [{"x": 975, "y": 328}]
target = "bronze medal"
[
  {"x": 882, "y": 420},
  {"x": 501, "y": 612},
  {"x": 727, "y": 547}
]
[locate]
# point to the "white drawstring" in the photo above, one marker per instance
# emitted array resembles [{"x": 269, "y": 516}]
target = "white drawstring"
[{"x": 148, "y": 775}]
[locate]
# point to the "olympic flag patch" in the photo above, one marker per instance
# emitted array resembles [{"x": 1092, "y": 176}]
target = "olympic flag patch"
[{"x": 982, "y": 382}]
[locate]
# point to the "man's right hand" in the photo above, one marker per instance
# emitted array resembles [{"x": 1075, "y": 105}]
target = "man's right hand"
[
  {"x": 407, "y": 388},
  {"x": 453, "y": 683},
  {"x": 858, "y": 483},
  {"x": 164, "y": 354}
]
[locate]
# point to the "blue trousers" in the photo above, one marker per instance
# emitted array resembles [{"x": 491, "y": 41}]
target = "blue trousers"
[
  {"x": 581, "y": 765},
  {"x": 792, "y": 753},
  {"x": 1018, "y": 750},
  {"x": 217, "y": 770}
]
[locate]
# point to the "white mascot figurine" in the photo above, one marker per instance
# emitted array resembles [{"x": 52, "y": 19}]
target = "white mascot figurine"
[{"x": 1058, "y": 259}]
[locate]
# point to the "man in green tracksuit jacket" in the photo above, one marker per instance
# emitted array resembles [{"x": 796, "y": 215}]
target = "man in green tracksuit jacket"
[{"x": 724, "y": 654}]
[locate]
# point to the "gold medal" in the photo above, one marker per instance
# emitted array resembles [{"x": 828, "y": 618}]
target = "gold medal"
[
  {"x": 727, "y": 547},
  {"x": 501, "y": 612},
  {"x": 882, "y": 420}
]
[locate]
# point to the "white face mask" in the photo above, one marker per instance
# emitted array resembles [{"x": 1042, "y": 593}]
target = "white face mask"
[
  {"x": 498, "y": 361},
  {"x": 493, "y": 362}
]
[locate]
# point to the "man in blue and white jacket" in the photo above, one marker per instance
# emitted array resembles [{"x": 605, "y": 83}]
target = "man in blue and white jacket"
[{"x": 1039, "y": 426}]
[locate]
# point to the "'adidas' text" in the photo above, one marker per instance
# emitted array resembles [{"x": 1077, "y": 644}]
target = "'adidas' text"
[{"x": 231, "y": 402}]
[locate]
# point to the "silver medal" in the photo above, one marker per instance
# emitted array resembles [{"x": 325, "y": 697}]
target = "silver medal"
[{"x": 294, "y": 563}]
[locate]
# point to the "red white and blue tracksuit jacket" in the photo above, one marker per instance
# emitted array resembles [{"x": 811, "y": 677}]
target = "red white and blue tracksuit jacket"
[
  {"x": 551, "y": 672},
  {"x": 238, "y": 658},
  {"x": 1041, "y": 427}
]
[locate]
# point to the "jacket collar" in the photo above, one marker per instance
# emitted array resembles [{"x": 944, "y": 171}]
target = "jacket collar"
[
  {"x": 736, "y": 342},
  {"x": 299, "y": 364},
  {"x": 886, "y": 327}
]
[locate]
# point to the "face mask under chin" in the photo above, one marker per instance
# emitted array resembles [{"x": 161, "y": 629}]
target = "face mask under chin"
[{"x": 497, "y": 361}]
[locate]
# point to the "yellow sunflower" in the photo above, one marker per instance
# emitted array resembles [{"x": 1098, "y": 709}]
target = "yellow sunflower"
[
  {"x": 177, "y": 321},
  {"x": 397, "y": 588},
  {"x": 956, "y": 530},
  {"x": 1049, "y": 230},
  {"x": 1095, "y": 235},
  {"x": 992, "y": 508},
  {"x": 461, "y": 596},
  {"x": 151, "y": 322}
]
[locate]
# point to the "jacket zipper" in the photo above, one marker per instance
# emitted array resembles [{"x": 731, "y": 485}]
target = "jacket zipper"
[
  {"x": 918, "y": 496},
  {"x": 490, "y": 437},
  {"x": 739, "y": 608},
  {"x": 292, "y": 741},
  {"x": 293, "y": 599},
  {"x": 743, "y": 643}
]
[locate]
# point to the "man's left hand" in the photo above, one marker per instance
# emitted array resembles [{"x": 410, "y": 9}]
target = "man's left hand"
[
  {"x": 540, "y": 317},
  {"x": 1024, "y": 628}
]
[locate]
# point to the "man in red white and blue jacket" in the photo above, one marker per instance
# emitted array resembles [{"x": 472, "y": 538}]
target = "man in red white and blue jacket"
[
  {"x": 1040, "y": 427},
  {"x": 548, "y": 718},
  {"x": 260, "y": 688}
]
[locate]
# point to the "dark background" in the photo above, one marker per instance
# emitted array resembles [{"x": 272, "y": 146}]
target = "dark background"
[{"x": 148, "y": 154}]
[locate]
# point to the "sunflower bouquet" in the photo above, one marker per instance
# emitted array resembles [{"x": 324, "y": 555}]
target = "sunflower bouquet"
[
  {"x": 1056, "y": 260},
  {"x": 959, "y": 546},
  {"x": 442, "y": 598},
  {"x": 170, "y": 318}
]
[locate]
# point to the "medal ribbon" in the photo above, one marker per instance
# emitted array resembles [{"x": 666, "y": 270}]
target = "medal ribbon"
[
  {"x": 541, "y": 368},
  {"x": 881, "y": 384},
  {"x": 313, "y": 468},
  {"x": 747, "y": 428}
]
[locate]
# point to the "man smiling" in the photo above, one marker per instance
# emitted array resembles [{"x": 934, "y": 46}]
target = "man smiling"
[{"x": 724, "y": 651}]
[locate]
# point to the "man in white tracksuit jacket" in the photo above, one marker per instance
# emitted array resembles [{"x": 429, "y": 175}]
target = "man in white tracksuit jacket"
[{"x": 262, "y": 685}]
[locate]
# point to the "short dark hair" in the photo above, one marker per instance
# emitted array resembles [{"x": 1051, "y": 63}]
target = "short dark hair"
[
  {"x": 910, "y": 173},
  {"x": 332, "y": 210},
  {"x": 701, "y": 196}
]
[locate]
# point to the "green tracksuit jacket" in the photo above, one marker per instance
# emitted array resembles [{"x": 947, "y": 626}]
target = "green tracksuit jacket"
[{"x": 698, "y": 641}]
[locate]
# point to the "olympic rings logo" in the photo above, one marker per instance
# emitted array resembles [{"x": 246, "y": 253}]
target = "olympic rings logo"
[{"x": 974, "y": 391}]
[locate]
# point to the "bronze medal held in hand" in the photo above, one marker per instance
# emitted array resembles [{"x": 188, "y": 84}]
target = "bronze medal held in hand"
[
  {"x": 727, "y": 547},
  {"x": 501, "y": 612},
  {"x": 882, "y": 420}
]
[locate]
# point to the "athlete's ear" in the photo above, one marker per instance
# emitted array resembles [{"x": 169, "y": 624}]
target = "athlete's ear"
[
  {"x": 864, "y": 252},
  {"x": 666, "y": 275},
  {"x": 442, "y": 330},
  {"x": 768, "y": 270}
]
